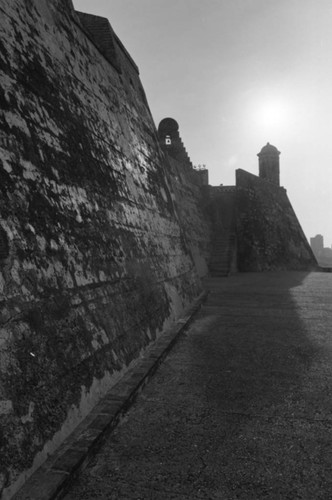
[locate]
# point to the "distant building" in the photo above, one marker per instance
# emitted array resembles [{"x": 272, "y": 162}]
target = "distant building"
[
  {"x": 322, "y": 254},
  {"x": 317, "y": 244}
]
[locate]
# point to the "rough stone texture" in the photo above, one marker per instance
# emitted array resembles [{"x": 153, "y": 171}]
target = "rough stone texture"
[
  {"x": 93, "y": 260},
  {"x": 269, "y": 235},
  {"x": 54, "y": 478},
  {"x": 193, "y": 216},
  {"x": 187, "y": 183}
]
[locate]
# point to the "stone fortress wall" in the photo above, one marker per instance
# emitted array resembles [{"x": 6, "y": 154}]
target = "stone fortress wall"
[
  {"x": 252, "y": 225},
  {"x": 97, "y": 255},
  {"x": 269, "y": 234},
  {"x": 106, "y": 229}
]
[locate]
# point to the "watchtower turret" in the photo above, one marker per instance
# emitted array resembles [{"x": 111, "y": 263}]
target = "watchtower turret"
[
  {"x": 269, "y": 164},
  {"x": 170, "y": 141}
]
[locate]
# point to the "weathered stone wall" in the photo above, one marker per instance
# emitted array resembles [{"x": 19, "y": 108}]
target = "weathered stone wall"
[
  {"x": 222, "y": 207},
  {"x": 269, "y": 235},
  {"x": 190, "y": 203},
  {"x": 94, "y": 262},
  {"x": 189, "y": 191}
]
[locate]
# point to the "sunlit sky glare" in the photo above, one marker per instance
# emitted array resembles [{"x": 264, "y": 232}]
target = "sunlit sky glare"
[{"x": 237, "y": 74}]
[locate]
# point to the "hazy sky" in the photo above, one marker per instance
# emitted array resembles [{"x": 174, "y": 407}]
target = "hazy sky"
[{"x": 237, "y": 74}]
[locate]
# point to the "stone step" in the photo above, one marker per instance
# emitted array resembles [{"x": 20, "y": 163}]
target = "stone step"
[
  {"x": 218, "y": 268},
  {"x": 219, "y": 274},
  {"x": 220, "y": 255},
  {"x": 219, "y": 262},
  {"x": 222, "y": 247}
]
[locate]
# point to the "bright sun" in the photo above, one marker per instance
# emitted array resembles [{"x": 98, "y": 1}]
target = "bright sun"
[{"x": 272, "y": 114}]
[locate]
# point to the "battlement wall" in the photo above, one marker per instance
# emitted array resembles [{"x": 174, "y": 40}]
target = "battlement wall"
[{"x": 95, "y": 251}]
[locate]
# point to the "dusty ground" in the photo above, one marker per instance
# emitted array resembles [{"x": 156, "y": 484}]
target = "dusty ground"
[{"x": 240, "y": 409}]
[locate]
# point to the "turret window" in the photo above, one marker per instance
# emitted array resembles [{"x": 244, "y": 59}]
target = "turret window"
[{"x": 168, "y": 140}]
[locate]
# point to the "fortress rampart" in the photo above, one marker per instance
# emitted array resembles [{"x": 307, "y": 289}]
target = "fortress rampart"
[
  {"x": 105, "y": 229},
  {"x": 99, "y": 234},
  {"x": 269, "y": 236}
]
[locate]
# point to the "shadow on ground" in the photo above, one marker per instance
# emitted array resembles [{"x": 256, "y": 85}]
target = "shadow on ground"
[{"x": 241, "y": 408}]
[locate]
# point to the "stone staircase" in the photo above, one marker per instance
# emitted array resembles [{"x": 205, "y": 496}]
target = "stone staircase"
[{"x": 222, "y": 261}]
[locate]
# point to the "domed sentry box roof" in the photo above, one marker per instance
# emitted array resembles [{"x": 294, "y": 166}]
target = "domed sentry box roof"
[
  {"x": 168, "y": 126},
  {"x": 269, "y": 149}
]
